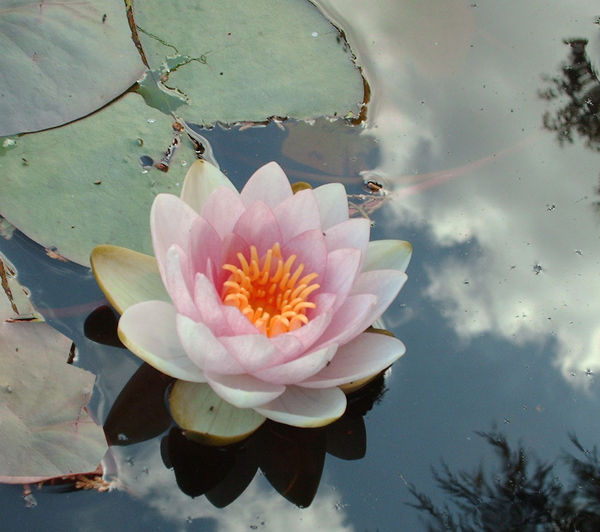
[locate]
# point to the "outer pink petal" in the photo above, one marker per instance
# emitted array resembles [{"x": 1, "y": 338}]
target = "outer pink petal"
[
  {"x": 311, "y": 251},
  {"x": 342, "y": 269},
  {"x": 305, "y": 407},
  {"x": 204, "y": 349},
  {"x": 299, "y": 369},
  {"x": 148, "y": 329},
  {"x": 366, "y": 355},
  {"x": 268, "y": 184},
  {"x": 349, "y": 320},
  {"x": 178, "y": 279},
  {"x": 352, "y": 233},
  {"x": 243, "y": 391},
  {"x": 222, "y": 210},
  {"x": 209, "y": 306},
  {"x": 297, "y": 214},
  {"x": 204, "y": 244},
  {"x": 385, "y": 284},
  {"x": 253, "y": 351},
  {"x": 171, "y": 221},
  {"x": 333, "y": 204},
  {"x": 258, "y": 226}
]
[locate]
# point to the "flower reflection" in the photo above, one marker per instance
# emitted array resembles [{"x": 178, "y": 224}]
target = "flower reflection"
[
  {"x": 291, "y": 458},
  {"x": 523, "y": 493}
]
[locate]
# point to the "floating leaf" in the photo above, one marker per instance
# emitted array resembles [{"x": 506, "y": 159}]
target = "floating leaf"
[
  {"x": 248, "y": 61},
  {"x": 94, "y": 188},
  {"x": 45, "y": 429},
  {"x": 207, "y": 418},
  {"x": 62, "y": 60}
]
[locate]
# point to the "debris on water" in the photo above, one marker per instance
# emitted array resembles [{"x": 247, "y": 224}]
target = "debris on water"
[
  {"x": 537, "y": 268},
  {"x": 30, "y": 501},
  {"x": 146, "y": 161}
]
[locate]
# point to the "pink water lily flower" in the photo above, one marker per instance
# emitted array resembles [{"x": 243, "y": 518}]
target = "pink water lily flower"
[{"x": 270, "y": 294}]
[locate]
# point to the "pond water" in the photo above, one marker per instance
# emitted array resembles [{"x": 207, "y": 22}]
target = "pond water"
[{"x": 483, "y": 130}]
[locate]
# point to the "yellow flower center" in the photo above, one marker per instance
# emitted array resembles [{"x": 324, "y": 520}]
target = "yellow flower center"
[{"x": 269, "y": 291}]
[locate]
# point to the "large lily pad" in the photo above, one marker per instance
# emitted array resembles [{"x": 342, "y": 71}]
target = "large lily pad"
[
  {"x": 62, "y": 60},
  {"x": 82, "y": 185},
  {"x": 248, "y": 61},
  {"x": 45, "y": 429}
]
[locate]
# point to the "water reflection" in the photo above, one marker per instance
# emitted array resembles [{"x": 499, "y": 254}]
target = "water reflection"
[
  {"x": 579, "y": 85},
  {"x": 291, "y": 459},
  {"x": 520, "y": 493},
  {"x": 506, "y": 220}
]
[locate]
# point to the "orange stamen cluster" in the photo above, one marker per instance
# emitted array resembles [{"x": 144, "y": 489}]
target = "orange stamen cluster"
[{"x": 269, "y": 292}]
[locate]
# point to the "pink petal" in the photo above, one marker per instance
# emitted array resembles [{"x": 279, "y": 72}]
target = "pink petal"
[
  {"x": 200, "y": 181},
  {"x": 387, "y": 255},
  {"x": 231, "y": 245},
  {"x": 170, "y": 223},
  {"x": 297, "y": 214},
  {"x": 243, "y": 391},
  {"x": 210, "y": 307},
  {"x": 222, "y": 210},
  {"x": 366, "y": 355},
  {"x": 237, "y": 322},
  {"x": 310, "y": 249},
  {"x": 204, "y": 244},
  {"x": 179, "y": 281},
  {"x": 349, "y": 320},
  {"x": 333, "y": 204},
  {"x": 299, "y": 369},
  {"x": 385, "y": 284},
  {"x": 305, "y": 407},
  {"x": 253, "y": 351},
  {"x": 149, "y": 330},
  {"x": 342, "y": 269},
  {"x": 303, "y": 338},
  {"x": 268, "y": 184},
  {"x": 204, "y": 349},
  {"x": 258, "y": 227},
  {"x": 352, "y": 233}
]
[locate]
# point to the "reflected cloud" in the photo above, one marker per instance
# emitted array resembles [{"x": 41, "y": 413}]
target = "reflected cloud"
[
  {"x": 514, "y": 246},
  {"x": 143, "y": 475}
]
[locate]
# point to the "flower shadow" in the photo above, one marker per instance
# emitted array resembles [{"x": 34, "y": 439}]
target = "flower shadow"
[{"x": 291, "y": 458}]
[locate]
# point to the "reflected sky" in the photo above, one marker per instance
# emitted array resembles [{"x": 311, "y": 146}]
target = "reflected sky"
[{"x": 459, "y": 123}]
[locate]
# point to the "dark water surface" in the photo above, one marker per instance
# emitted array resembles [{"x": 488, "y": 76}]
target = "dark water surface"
[{"x": 484, "y": 132}]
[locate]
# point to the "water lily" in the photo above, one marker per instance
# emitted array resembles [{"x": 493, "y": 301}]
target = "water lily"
[{"x": 268, "y": 293}]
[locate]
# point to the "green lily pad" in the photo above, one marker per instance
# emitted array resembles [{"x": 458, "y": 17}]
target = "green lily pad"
[
  {"x": 45, "y": 429},
  {"x": 81, "y": 185},
  {"x": 248, "y": 61},
  {"x": 62, "y": 60},
  {"x": 207, "y": 418}
]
